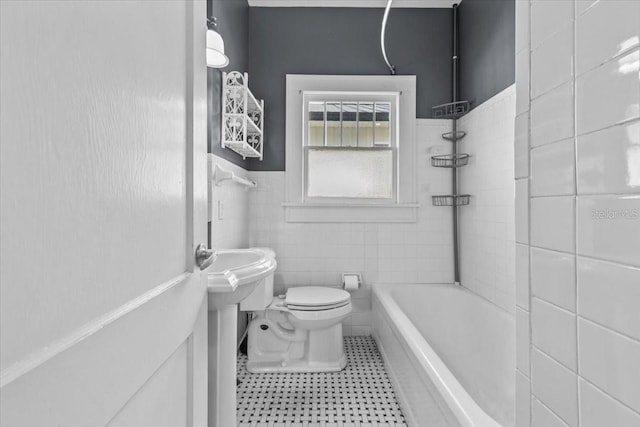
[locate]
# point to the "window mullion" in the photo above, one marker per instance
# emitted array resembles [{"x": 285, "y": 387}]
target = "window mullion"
[
  {"x": 325, "y": 122},
  {"x": 341, "y": 112},
  {"x": 373, "y": 124},
  {"x": 358, "y": 124}
]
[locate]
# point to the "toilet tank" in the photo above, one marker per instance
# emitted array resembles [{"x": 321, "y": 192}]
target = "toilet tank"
[{"x": 262, "y": 295}]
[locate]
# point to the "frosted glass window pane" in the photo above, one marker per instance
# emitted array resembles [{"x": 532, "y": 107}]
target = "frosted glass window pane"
[
  {"x": 365, "y": 124},
  {"x": 382, "y": 136},
  {"x": 350, "y": 173},
  {"x": 334, "y": 131},
  {"x": 349, "y": 124},
  {"x": 316, "y": 123}
]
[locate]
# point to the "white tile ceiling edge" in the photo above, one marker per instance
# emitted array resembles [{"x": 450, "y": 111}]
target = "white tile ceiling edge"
[{"x": 353, "y": 3}]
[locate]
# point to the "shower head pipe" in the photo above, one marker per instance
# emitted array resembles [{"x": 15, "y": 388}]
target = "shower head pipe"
[{"x": 385, "y": 17}]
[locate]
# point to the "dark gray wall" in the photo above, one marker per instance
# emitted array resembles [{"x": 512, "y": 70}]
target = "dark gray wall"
[
  {"x": 233, "y": 25},
  {"x": 342, "y": 41},
  {"x": 487, "y": 48}
]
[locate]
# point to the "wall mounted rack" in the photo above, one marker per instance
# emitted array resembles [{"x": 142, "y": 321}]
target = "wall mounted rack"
[
  {"x": 242, "y": 116},
  {"x": 454, "y": 136},
  {"x": 221, "y": 175},
  {"x": 453, "y": 111},
  {"x": 451, "y": 200},
  {"x": 450, "y": 160},
  {"x": 450, "y": 110}
]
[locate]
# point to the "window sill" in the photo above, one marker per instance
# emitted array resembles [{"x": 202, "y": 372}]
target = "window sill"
[{"x": 333, "y": 212}]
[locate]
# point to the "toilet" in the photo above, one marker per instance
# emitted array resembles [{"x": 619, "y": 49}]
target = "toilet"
[{"x": 300, "y": 331}]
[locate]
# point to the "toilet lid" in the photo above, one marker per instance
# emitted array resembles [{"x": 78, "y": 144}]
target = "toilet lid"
[{"x": 316, "y": 297}]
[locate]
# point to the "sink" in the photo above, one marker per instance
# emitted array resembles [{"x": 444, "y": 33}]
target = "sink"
[
  {"x": 231, "y": 277},
  {"x": 234, "y": 274}
]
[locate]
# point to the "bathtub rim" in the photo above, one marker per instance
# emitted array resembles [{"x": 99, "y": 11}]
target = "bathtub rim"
[{"x": 464, "y": 408}]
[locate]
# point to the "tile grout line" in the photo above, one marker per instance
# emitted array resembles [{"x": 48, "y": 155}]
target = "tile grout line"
[{"x": 575, "y": 206}]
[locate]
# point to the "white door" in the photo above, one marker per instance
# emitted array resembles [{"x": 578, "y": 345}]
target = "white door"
[{"x": 103, "y": 180}]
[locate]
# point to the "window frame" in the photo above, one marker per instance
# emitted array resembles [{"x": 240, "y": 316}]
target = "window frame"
[
  {"x": 329, "y": 96},
  {"x": 403, "y": 206}
]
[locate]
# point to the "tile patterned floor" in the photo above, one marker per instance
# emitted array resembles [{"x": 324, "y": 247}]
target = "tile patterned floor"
[{"x": 358, "y": 396}]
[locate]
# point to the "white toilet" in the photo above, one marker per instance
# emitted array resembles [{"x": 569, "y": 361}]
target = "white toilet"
[{"x": 297, "y": 332}]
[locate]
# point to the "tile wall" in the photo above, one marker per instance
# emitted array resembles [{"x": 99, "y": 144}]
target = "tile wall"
[
  {"x": 486, "y": 225},
  {"x": 577, "y": 171},
  {"x": 229, "y": 217},
  {"x": 229, "y": 210},
  {"x": 317, "y": 254}
]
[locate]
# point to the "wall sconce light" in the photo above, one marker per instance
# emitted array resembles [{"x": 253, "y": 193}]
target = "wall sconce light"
[{"x": 215, "y": 47}]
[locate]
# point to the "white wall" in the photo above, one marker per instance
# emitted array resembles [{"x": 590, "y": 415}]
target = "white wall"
[
  {"x": 229, "y": 210},
  {"x": 487, "y": 224},
  {"x": 317, "y": 254},
  {"x": 578, "y": 213},
  {"x": 229, "y": 216}
]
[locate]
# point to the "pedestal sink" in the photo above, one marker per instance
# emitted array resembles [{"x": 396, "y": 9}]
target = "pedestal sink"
[
  {"x": 234, "y": 274},
  {"x": 231, "y": 277}
]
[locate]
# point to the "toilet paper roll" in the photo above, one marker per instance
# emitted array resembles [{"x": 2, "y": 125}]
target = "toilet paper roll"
[{"x": 351, "y": 282}]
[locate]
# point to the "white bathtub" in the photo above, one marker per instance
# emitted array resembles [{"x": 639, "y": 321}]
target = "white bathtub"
[{"x": 450, "y": 354}]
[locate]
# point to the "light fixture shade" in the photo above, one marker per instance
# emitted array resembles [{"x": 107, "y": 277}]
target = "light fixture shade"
[{"x": 215, "y": 50}]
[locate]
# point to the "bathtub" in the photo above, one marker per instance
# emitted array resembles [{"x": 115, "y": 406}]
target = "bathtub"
[{"x": 450, "y": 354}]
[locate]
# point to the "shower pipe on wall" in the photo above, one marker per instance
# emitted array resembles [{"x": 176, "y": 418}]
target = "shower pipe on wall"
[
  {"x": 454, "y": 150},
  {"x": 453, "y": 110},
  {"x": 383, "y": 29}
]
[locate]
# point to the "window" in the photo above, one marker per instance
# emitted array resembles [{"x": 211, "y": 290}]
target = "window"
[
  {"x": 349, "y": 144},
  {"x": 350, "y": 148}
]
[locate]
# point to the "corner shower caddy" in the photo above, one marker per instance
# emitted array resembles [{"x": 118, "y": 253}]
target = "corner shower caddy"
[
  {"x": 242, "y": 116},
  {"x": 452, "y": 111}
]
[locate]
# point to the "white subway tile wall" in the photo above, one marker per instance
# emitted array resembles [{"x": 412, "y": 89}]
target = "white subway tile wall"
[
  {"x": 553, "y": 277},
  {"x": 614, "y": 170},
  {"x": 521, "y": 150},
  {"x": 556, "y": 386},
  {"x": 552, "y": 62},
  {"x": 579, "y": 292},
  {"x": 552, "y": 223},
  {"x": 522, "y": 276},
  {"x": 542, "y": 416},
  {"x": 317, "y": 253},
  {"x": 553, "y": 330},
  {"x": 597, "y": 409},
  {"x": 523, "y": 338},
  {"x": 523, "y": 405},
  {"x": 487, "y": 224},
  {"x": 552, "y": 169},
  {"x": 229, "y": 210},
  {"x": 552, "y": 116}
]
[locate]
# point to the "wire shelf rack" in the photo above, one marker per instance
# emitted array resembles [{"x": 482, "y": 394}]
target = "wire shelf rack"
[
  {"x": 451, "y": 110},
  {"x": 454, "y": 136},
  {"x": 450, "y": 160},
  {"x": 451, "y": 200}
]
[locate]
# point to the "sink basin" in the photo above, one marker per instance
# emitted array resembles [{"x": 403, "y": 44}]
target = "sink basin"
[{"x": 234, "y": 274}]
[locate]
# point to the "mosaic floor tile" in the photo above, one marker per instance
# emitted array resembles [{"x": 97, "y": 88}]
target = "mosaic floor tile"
[{"x": 358, "y": 396}]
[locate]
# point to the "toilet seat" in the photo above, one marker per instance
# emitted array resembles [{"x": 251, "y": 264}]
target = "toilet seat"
[
  {"x": 316, "y": 298},
  {"x": 316, "y": 308},
  {"x": 321, "y": 315}
]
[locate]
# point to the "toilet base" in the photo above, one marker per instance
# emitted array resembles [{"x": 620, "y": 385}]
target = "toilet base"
[
  {"x": 276, "y": 345},
  {"x": 296, "y": 366}
]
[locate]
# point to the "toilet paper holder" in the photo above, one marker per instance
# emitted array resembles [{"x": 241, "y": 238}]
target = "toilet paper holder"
[{"x": 348, "y": 281}]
